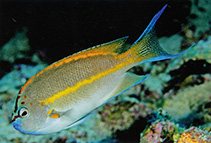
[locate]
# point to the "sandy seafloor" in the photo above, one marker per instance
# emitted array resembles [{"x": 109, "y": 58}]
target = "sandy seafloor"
[{"x": 172, "y": 105}]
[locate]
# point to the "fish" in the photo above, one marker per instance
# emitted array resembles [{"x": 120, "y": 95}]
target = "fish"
[{"x": 66, "y": 93}]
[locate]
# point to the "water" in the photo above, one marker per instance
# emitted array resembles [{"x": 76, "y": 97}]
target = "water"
[{"x": 35, "y": 34}]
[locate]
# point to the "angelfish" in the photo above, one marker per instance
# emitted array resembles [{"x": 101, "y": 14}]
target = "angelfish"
[{"x": 66, "y": 92}]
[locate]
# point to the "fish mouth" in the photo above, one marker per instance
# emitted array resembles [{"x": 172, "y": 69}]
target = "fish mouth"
[{"x": 17, "y": 125}]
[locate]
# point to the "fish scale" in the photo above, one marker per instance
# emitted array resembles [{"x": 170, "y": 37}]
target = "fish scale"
[{"x": 67, "y": 99}]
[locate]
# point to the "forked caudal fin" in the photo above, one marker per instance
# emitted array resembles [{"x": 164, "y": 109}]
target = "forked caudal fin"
[{"x": 147, "y": 48}]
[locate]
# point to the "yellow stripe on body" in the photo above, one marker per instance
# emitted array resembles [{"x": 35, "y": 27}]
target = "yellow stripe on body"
[
  {"x": 86, "y": 81},
  {"x": 65, "y": 60},
  {"x": 104, "y": 49}
]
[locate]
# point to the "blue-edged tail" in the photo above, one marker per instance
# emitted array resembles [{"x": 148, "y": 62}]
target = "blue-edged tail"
[{"x": 147, "y": 47}]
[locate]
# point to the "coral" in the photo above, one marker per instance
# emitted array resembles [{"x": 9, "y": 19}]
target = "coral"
[
  {"x": 158, "y": 132},
  {"x": 187, "y": 101},
  {"x": 200, "y": 51},
  {"x": 171, "y": 44},
  {"x": 192, "y": 84},
  {"x": 113, "y": 121},
  {"x": 188, "y": 74},
  {"x": 15, "y": 48},
  {"x": 10, "y": 83},
  {"x": 195, "y": 135},
  {"x": 200, "y": 16},
  {"x": 161, "y": 129},
  {"x": 161, "y": 72},
  {"x": 186, "y": 90}
]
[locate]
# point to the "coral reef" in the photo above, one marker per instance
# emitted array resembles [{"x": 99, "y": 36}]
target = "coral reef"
[
  {"x": 180, "y": 86},
  {"x": 10, "y": 83},
  {"x": 113, "y": 121},
  {"x": 200, "y": 17},
  {"x": 184, "y": 84},
  {"x": 15, "y": 48},
  {"x": 137, "y": 102},
  {"x": 161, "y": 129},
  {"x": 190, "y": 97},
  {"x": 187, "y": 101},
  {"x": 158, "y": 132},
  {"x": 195, "y": 135}
]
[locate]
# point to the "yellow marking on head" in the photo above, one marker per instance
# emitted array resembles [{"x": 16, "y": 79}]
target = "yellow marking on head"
[
  {"x": 86, "y": 81},
  {"x": 55, "y": 116},
  {"x": 49, "y": 112}
]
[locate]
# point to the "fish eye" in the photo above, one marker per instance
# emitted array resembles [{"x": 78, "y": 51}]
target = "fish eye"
[{"x": 23, "y": 112}]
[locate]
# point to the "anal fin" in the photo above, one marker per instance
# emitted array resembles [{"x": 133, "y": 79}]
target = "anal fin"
[{"x": 129, "y": 81}]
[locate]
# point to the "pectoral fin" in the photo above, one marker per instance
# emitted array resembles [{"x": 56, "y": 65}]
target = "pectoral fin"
[
  {"x": 52, "y": 113},
  {"x": 129, "y": 81}
]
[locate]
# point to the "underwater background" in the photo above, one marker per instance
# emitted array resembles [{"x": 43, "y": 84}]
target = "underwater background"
[{"x": 172, "y": 105}]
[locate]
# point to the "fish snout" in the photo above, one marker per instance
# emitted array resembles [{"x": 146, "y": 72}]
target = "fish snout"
[{"x": 17, "y": 125}]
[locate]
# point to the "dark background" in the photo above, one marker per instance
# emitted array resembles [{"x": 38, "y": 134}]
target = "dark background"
[{"x": 60, "y": 28}]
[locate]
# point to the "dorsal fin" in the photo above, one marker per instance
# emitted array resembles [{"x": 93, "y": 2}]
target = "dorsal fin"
[{"x": 109, "y": 47}]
